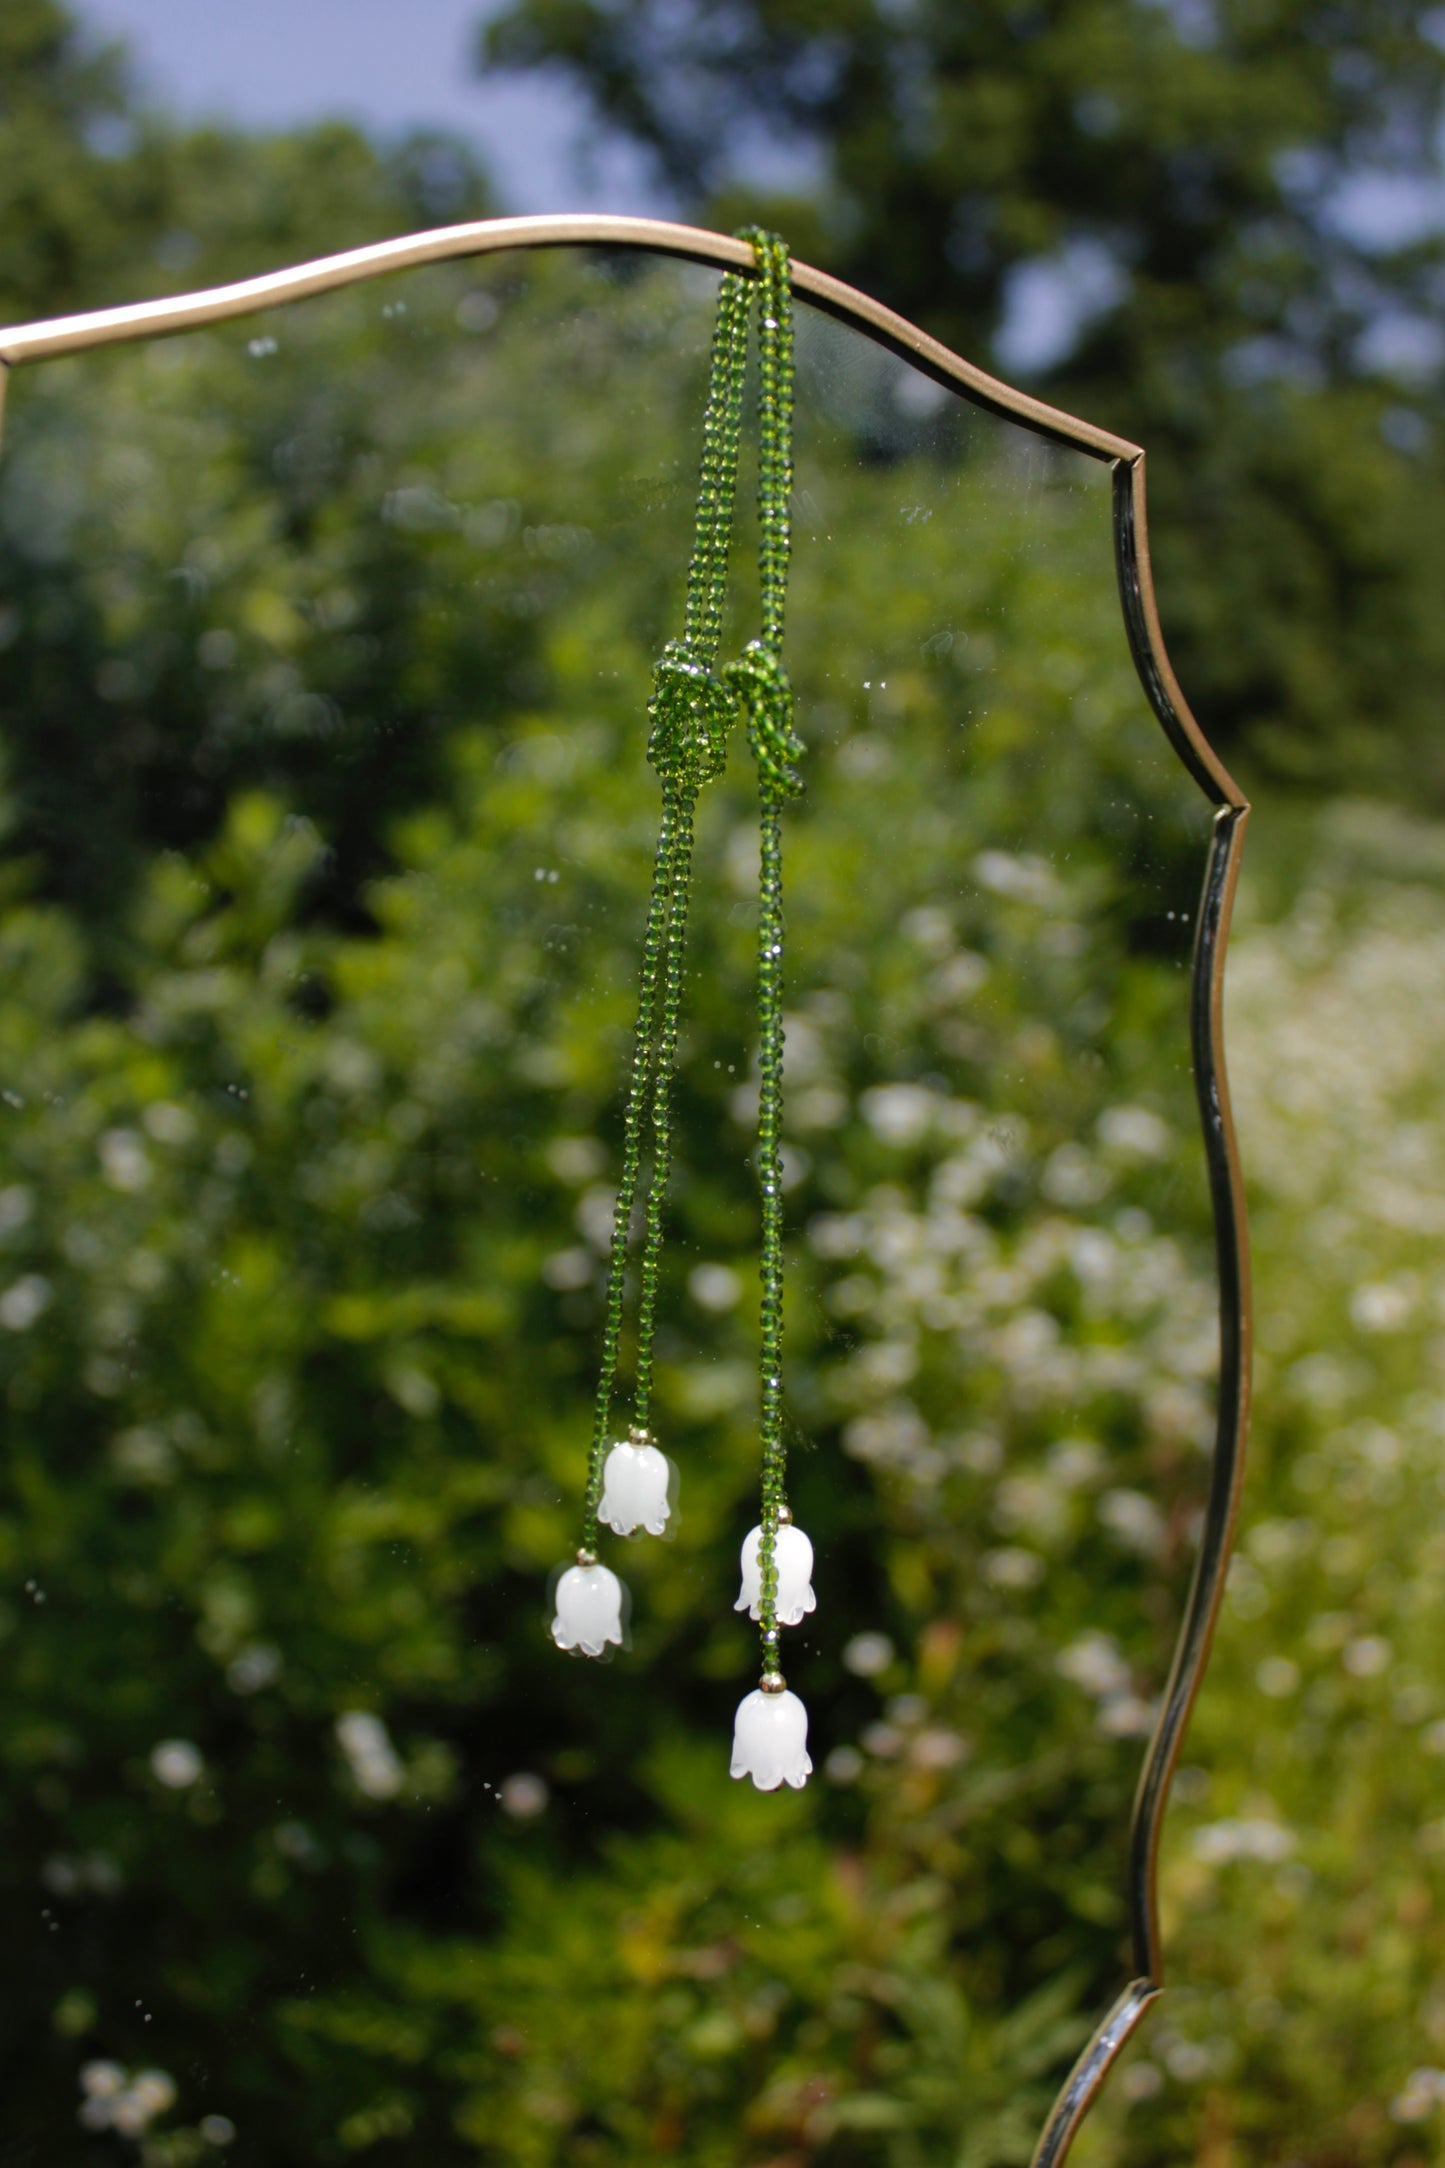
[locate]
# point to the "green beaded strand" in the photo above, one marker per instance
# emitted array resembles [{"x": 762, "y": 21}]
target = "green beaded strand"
[
  {"x": 775, "y": 429},
  {"x": 717, "y": 483},
  {"x": 653, "y": 944},
  {"x": 687, "y": 766},
  {"x": 684, "y": 802},
  {"x": 768, "y": 700},
  {"x": 690, "y": 715},
  {"x": 691, "y": 711}
]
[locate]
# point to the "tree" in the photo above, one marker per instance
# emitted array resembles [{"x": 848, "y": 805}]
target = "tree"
[
  {"x": 102, "y": 200},
  {"x": 1204, "y": 187}
]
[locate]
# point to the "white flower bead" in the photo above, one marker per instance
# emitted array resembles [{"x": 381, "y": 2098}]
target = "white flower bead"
[
  {"x": 589, "y": 1610},
  {"x": 770, "y": 1741},
  {"x": 634, "y": 1487},
  {"x": 793, "y": 1557}
]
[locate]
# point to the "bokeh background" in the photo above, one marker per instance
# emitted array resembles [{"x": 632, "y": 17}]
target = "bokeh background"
[{"x": 258, "y": 1308}]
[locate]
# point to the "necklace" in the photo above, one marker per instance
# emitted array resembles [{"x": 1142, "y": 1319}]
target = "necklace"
[{"x": 630, "y": 1484}]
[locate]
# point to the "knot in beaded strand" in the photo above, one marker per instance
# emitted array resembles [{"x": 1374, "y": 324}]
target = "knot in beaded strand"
[
  {"x": 762, "y": 685},
  {"x": 691, "y": 712}
]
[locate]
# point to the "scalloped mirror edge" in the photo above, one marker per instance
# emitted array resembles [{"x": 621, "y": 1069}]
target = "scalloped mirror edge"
[{"x": 106, "y": 327}]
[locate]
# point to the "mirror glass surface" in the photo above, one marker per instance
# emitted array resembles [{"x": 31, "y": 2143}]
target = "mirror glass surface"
[{"x": 327, "y": 641}]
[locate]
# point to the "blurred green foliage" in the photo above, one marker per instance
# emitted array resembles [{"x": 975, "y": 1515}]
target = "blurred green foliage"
[
  {"x": 1303, "y": 1884},
  {"x": 1218, "y": 223},
  {"x": 105, "y": 200},
  {"x": 325, "y": 644},
  {"x": 329, "y": 835}
]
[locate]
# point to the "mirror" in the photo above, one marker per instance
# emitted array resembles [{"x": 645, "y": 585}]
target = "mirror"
[{"x": 328, "y": 635}]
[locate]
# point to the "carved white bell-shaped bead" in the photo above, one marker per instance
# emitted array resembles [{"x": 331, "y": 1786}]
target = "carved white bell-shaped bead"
[
  {"x": 635, "y": 1485},
  {"x": 793, "y": 1557},
  {"x": 589, "y": 1610},
  {"x": 770, "y": 1740}
]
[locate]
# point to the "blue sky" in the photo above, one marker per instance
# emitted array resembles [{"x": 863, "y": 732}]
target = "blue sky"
[
  {"x": 390, "y": 64},
  {"x": 397, "y": 64}
]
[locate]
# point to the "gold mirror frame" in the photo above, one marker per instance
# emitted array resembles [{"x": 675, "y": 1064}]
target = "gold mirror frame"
[{"x": 107, "y": 327}]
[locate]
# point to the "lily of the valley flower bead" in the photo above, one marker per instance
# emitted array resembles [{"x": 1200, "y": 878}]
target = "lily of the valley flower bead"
[
  {"x": 589, "y": 1609},
  {"x": 770, "y": 1740},
  {"x": 793, "y": 1557},
  {"x": 635, "y": 1484}
]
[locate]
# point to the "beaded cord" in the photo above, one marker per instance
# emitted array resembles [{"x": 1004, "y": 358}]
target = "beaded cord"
[
  {"x": 691, "y": 711},
  {"x": 767, "y": 699}
]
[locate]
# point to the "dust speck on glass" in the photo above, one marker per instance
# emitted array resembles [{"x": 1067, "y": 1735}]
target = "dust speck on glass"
[{"x": 693, "y": 708}]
